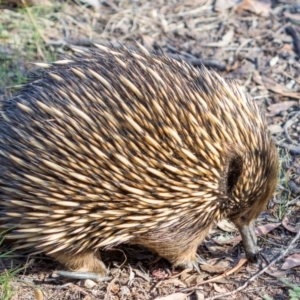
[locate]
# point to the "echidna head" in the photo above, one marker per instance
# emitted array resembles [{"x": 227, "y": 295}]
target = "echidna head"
[{"x": 253, "y": 181}]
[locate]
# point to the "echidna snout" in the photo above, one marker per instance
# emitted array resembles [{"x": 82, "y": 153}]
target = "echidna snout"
[
  {"x": 249, "y": 241},
  {"x": 118, "y": 146}
]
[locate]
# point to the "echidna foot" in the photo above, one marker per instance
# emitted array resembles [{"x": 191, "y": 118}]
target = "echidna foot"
[
  {"x": 194, "y": 264},
  {"x": 201, "y": 260},
  {"x": 191, "y": 265},
  {"x": 87, "y": 265}
]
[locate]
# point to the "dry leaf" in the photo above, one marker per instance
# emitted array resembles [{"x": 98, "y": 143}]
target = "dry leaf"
[
  {"x": 255, "y": 6},
  {"x": 276, "y": 108},
  {"x": 218, "y": 268},
  {"x": 175, "y": 282},
  {"x": 275, "y": 128},
  {"x": 175, "y": 296},
  {"x": 222, "y": 5},
  {"x": 141, "y": 274},
  {"x": 260, "y": 230},
  {"x": 185, "y": 274},
  {"x": 294, "y": 18},
  {"x": 277, "y": 88},
  {"x": 241, "y": 262},
  {"x": 225, "y": 40},
  {"x": 191, "y": 280},
  {"x": 275, "y": 273},
  {"x": 286, "y": 225},
  {"x": 227, "y": 226},
  {"x": 199, "y": 295},
  {"x": 219, "y": 289},
  {"x": 291, "y": 262}
]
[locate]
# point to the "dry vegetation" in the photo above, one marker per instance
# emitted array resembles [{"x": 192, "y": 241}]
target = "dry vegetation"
[{"x": 255, "y": 42}]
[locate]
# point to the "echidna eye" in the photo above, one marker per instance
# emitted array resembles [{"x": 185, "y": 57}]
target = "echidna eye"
[{"x": 234, "y": 172}]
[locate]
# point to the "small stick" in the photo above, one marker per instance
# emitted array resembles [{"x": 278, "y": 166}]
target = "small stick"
[
  {"x": 291, "y": 148},
  {"x": 197, "y": 62}
]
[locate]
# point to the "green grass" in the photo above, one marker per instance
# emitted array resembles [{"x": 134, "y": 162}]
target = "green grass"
[
  {"x": 6, "y": 284},
  {"x": 23, "y": 40},
  {"x": 7, "y": 276},
  {"x": 294, "y": 290}
]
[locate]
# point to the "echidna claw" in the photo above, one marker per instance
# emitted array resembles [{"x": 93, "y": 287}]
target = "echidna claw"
[
  {"x": 196, "y": 267},
  {"x": 200, "y": 260},
  {"x": 83, "y": 275}
]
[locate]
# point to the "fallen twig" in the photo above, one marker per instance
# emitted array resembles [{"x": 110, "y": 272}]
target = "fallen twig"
[
  {"x": 296, "y": 41},
  {"x": 291, "y": 148},
  {"x": 196, "y": 62}
]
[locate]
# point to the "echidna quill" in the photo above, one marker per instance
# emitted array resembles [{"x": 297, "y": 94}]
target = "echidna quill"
[{"x": 116, "y": 146}]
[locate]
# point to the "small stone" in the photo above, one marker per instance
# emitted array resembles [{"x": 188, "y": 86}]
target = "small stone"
[
  {"x": 88, "y": 283},
  {"x": 124, "y": 291},
  {"x": 199, "y": 295},
  {"x": 38, "y": 294}
]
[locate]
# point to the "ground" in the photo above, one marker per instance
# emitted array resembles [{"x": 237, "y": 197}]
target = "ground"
[{"x": 255, "y": 42}]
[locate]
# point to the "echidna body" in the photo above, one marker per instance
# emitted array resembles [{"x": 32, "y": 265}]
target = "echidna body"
[{"x": 118, "y": 146}]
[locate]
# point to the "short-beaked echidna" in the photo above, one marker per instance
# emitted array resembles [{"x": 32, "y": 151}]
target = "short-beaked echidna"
[{"x": 114, "y": 146}]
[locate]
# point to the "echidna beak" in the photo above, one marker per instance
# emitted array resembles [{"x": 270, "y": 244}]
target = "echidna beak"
[{"x": 249, "y": 241}]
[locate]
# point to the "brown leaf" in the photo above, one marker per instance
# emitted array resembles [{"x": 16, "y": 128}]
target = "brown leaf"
[
  {"x": 286, "y": 225},
  {"x": 199, "y": 295},
  {"x": 219, "y": 289},
  {"x": 255, "y": 6},
  {"x": 260, "y": 230},
  {"x": 275, "y": 273},
  {"x": 291, "y": 262},
  {"x": 175, "y": 296},
  {"x": 218, "y": 268},
  {"x": 227, "y": 226},
  {"x": 192, "y": 280},
  {"x": 241, "y": 262},
  {"x": 185, "y": 274},
  {"x": 175, "y": 282},
  {"x": 275, "y": 128},
  {"x": 277, "y": 88},
  {"x": 276, "y": 108}
]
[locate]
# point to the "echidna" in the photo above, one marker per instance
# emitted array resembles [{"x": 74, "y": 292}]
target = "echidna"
[{"x": 117, "y": 145}]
